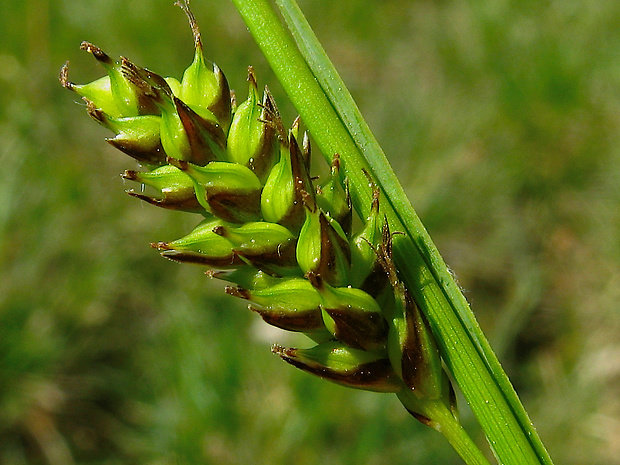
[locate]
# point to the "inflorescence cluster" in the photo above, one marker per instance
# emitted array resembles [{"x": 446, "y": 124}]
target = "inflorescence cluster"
[{"x": 282, "y": 239}]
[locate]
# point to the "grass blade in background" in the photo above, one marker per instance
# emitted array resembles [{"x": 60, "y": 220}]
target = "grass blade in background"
[{"x": 337, "y": 126}]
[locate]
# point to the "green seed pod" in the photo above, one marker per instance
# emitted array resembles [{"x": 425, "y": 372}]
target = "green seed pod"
[
  {"x": 344, "y": 365},
  {"x": 137, "y": 136},
  {"x": 351, "y": 315},
  {"x": 334, "y": 200},
  {"x": 366, "y": 271},
  {"x": 267, "y": 246},
  {"x": 278, "y": 198},
  {"x": 252, "y": 137},
  {"x": 322, "y": 246},
  {"x": 227, "y": 190},
  {"x": 202, "y": 87},
  {"x": 129, "y": 99},
  {"x": 97, "y": 91},
  {"x": 186, "y": 134},
  {"x": 176, "y": 188},
  {"x": 281, "y": 200},
  {"x": 174, "y": 139},
  {"x": 291, "y": 304},
  {"x": 412, "y": 349},
  {"x": 202, "y": 246},
  {"x": 173, "y": 136}
]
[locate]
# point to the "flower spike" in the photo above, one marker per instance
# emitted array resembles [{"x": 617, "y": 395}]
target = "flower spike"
[{"x": 280, "y": 238}]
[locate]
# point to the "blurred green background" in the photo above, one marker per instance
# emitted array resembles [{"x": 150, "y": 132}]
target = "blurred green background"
[{"x": 502, "y": 119}]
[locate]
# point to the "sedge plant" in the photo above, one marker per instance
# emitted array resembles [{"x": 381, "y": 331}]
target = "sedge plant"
[{"x": 377, "y": 302}]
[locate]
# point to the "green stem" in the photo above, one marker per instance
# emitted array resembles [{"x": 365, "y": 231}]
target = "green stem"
[
  {"x": 442, "y": 420},
  {"x": 337, "y": 126}
]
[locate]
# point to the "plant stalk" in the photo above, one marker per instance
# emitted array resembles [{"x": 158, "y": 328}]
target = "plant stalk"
[{"x": 448, "y": 425}]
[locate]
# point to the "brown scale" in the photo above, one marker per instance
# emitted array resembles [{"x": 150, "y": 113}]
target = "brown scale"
[{"x": 207, "y": 140}]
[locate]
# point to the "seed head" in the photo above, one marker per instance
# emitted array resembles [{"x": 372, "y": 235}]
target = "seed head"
[{"x": 280, "y": 238}]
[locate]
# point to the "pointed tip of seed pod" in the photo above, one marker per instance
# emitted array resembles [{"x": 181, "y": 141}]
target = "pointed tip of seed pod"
[
  {"x": 184, "y": 5},
  {"x": 252, "y": 77},
  {"x": 308, "y": 201},
  {"x": 233, "y": 100},
  {"x": 151, "y": 85},
  {"x": 386, "y": 236},
  {"x": 295, "y": 126},
  {"x": 177, "y": 256},
  {"x": 90, "y": 105},
  {"x": 153, "y": 81},
  {"x": 130, "y": 175},
  {"x": 160, "y": 245},
  {"x": 384, "y": 256},
  {"x": 131, "y": 72},
  {"x": 133, "y": 193},
  {"x": 306, "y": 149},
  {"x": 238, "y": 291},
  {"x": 374, "y": 206},
  {"x": 95, "y": 51},
  {"x": 219, "y": 74},
  {"x": 147, "y": 199},
  {"x": 283, "y": 352},
  {"x": 255, "y": 309},
  {"x": 63, "y": 77},
  {"x": 95, "y": 113},
  {"x": 271, "y": 113},
  {"x": 336, "y": 164},
  {"x": 371, "y": 184},
  {"x": 212, "y": 274}
]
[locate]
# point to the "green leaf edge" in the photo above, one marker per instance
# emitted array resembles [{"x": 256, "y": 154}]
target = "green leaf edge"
[{"x": 337, "y": 126}]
